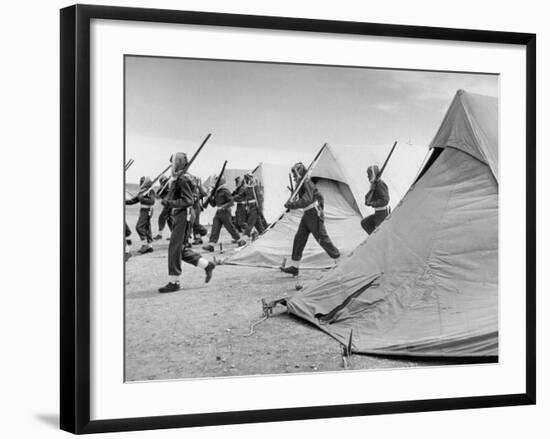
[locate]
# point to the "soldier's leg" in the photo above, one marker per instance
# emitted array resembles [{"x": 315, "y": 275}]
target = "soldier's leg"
[
  {"x": 300, "y": 241},
  {"x": 240, "y": 216},
  {"x": 251, "y": 220},
  {"x": 143, "y": 228},
  {"x": 368, "y": 224},
  {"x": 379, "y": 217},
  {"x": 259, "y": 223},
  {"x": 225, "y": 217},
  {"x": 319, "y": 232},
  {"x": 148, "y": 229},
  {"x": 175, "y": 248},
  {"x": 216, "y": 229}
]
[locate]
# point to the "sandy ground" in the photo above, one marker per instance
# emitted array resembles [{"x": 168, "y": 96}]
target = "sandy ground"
[{"x": 203, "y": 330}]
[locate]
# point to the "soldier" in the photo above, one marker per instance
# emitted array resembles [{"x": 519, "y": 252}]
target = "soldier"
[
  {"x": 240, "y": 211},
  {"x": 143, "y": 225},
  {"x": 313, "y": 220},
  {"x": 223, "y": 200},
  {"x": 180, "y": 200},
  {"x": 378, "y": 198},
  {"x": 247, "y": 196},
  {"x": 198, "y": 229},
  {"x": 165, "y": 216}
]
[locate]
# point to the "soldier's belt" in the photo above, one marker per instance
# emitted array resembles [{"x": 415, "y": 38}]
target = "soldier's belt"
[
  {"x": 143, "y": 206},
  {"x": 311, "y": 206},
  {"x": 244, "y": 203},
  {"x": 381, "y": 208}
]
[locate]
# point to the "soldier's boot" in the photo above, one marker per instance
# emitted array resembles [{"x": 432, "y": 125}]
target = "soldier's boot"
[
  {"x": 290, "y": 270},
  {"x": 170, "y": 287},
  {"x": 209, "y": 270},
  {"x": 208, "y": 247}
]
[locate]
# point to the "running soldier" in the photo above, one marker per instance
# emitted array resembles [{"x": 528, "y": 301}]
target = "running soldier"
[
  {"x": 313, "y": 220},
  {"x": 180, "y": 200},
  {"x": 247, "y": 196},
  {"x": 146, "y": 198},
  {"x": 378, "y": 197},
  {"x": 165, "y": 217},
  {"x": 223, "y": 200}
]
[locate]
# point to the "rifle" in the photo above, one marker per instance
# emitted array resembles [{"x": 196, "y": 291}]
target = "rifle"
[
  {"x": 216, "y": 186},
  {"x": 181, "y": 172},
  {"x": 298, "y": 186},
  {"x": 290, "y": 187},
  {"x": 128, "y": 164},
  {"x": 306, "y": 175},
  {"x": 370, "y": 194}
]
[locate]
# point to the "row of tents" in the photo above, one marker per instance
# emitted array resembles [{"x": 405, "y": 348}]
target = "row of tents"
[{"x": 425, "y": 283}]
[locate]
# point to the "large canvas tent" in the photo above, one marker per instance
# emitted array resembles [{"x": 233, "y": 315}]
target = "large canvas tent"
[
  {"x": 426, "y": 282},
  {"x": 342, "y": 220}
]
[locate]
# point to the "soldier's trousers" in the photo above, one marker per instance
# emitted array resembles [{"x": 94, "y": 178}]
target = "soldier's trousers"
[
  {"x": 222, "y": 217},
  {"x": 253, "y": 220},
  {"x": 198, "y": 228},
  {"x": 176, "y": 252},
  {"x": 165, "y": 217},
  {"x": 240, "y": 216},
  {"x": 371, "y": 222},
  {"x": 127, "y": 231},
  {"x": 312, "y": 223},
  {"x": 143, "y": 225}
]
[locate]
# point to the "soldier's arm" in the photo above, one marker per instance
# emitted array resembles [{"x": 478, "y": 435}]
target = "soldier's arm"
[
  {"x": 305, "y": 196},
  {"x": 186, "y": 194},
  {"x": 228, "y": 199},
  {"x": 148, "y": 199},
  {"x": 381, "y": 196},
  {"x": 131, "y": 201}
]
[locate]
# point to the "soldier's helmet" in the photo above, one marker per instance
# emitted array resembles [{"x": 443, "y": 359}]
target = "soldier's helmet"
[
  {"x": 179, "y": 162},
  {"x": 373, "y": 172},
  {"x": 299, "y": 170},
  {"x": 248, "y": 178},
  {"x": 145, "y": 183},
  {"x": 163, "y": 180}
]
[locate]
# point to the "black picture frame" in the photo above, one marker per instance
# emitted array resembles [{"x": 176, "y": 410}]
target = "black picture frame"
[{"x": 75, "y": 216}]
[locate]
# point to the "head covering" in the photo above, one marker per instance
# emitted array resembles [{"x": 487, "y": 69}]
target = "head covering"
[
  {"x": 299, "y": 170},
  {"x": 179, "y": 161},
  {"x": 163, "y": 180},
  {"x": 145, "y": 183},
  {"x": 373, "y": 172},
  {"x": 248, "y": 178}
]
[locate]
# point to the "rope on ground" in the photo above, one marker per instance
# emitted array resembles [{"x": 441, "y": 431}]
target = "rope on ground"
[{"x": 256, "y": 323}]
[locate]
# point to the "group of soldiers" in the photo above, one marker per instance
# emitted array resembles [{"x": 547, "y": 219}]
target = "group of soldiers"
[{"x": 183, "y": 198}]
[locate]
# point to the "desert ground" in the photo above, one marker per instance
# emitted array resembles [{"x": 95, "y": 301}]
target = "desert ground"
[{"x": 204, "y": 330}]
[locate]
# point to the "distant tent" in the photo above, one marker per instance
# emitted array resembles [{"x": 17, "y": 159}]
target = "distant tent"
[
  {"x": 426, "y": 282},
  {"x": 342, "y": 219}
]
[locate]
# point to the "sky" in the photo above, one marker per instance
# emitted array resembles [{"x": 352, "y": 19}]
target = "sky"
[{"x": 280, "y": 113}]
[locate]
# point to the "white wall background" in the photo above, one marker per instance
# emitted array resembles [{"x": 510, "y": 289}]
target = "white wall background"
[{"x": 29, "y": 250}]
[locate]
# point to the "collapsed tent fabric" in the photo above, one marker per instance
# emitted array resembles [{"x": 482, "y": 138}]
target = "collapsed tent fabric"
[
  {"x": 342, "y": 220},
  {"x": 425, "y": 283}
]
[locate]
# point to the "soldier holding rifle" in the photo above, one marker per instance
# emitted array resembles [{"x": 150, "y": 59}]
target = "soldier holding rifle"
[
  {"x": 221, "y": 198},
  {"x": 247, "y": 196},
  {"x": 378, "y": 197},
  {"x": 180, "y": 200},
  {"x": 307, "y": 197},
  {"x": 146, "y": 198}
]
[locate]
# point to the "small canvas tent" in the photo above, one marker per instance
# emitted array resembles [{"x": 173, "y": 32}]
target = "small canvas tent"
[
  {"x": 342, "y": 220},
  {"x": 425, "y": 283}
]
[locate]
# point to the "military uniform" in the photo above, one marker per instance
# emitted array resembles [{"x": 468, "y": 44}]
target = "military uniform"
[
  {"x": 143, "y": 225},
  {"x": 222, "y": 200},
  {"x": 240, "y": 210},
  {"x": 165, "y": 217},
  {"x": 198, "y": 229},
  {"x": 378, "y": 198},
  {"x": 247, "y": 197},
  {"x": 181, "y": 199}
]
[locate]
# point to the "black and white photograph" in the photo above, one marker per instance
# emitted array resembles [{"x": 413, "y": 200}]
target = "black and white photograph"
[{"x": 289, "y": 218}]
